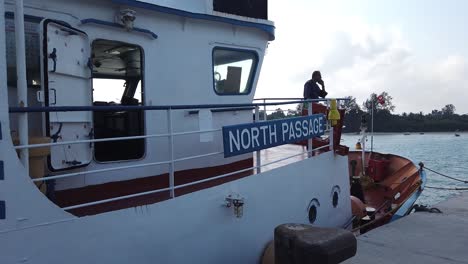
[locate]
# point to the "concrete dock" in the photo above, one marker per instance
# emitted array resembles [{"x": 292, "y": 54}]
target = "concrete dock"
[{"x": 420, "y": 237}]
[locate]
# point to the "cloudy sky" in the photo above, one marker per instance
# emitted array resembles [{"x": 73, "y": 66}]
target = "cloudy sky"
[{"x": 415, "y": 50}]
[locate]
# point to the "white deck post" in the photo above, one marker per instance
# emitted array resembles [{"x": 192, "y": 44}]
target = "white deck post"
[
  {"x": 171, "y": 150},
  {"x": 330, "y": 137},
  {"x": 363, "y": 157},
  {"x": 309, "y": 141},
  {"x": 22, "y": 86},
  {"x": 257, "y": 153},
  {"x": 3, "y": 76},
  {"x": 372, "y": 127}
]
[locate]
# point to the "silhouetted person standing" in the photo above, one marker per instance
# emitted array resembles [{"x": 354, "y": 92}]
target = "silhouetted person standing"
[{"x": 312, "y": 89}]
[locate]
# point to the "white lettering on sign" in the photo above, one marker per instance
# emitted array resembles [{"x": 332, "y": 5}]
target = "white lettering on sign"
[
  {"x": 234, "y": 140},
  {"x": 321, "y": 124},
  {"x": 245, "y": 138},
  {"x": 291, "y": 131},
  {"x": 305, "y": 128},
  {"x": 284, "y": 130},
  {"x": 294, "y": 130},
  {"x": 316, "y": 126},
  {"x": 263, "y": 129},
  {"x": 248, "y": 138},
  {"x": 298, "y": 129},
  {"x": 255, "y": 133},
  {"x": 273, "y": 134}
]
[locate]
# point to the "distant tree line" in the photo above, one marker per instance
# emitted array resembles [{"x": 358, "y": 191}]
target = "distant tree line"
[{"x": 443, "y": 120}]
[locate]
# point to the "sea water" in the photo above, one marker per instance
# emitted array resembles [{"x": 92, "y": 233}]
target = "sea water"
[{"x": 442, "y": 152}]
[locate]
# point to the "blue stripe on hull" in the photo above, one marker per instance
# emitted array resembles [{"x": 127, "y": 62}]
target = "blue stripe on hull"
[
  {"x": 2, "y": 171},
  {"x": 406, "y": 207},
  {"x": 266, "y": 28},
  {"x": 2, "y": 210}
]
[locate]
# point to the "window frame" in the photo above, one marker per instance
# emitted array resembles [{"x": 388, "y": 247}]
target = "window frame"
[
  {"x": 142, "y": 59},
  {"x": 143, "y": 100},
  {"x": 252, "y": 74}
]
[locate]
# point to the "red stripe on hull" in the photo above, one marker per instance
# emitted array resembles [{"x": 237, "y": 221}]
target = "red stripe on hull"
[{"x": 93, "y": 193}]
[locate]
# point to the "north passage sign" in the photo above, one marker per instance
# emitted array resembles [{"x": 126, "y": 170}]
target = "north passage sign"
[{"x": 246, "y": 138}]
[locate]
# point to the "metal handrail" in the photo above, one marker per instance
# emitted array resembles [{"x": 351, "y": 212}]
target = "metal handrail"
[
  {"x": 136, "y": 108},
  {"x": 170, "y": 134},
  {"x": 298, "y": 98},
  {"x": 187, "y": 184},
  {"x": 68, "y": 175},
  {"x": 48, "y": 109},
  {"x": 111, "y": 139}
]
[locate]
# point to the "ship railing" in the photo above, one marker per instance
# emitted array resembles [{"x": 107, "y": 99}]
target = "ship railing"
[
  {"x": 282, "y": 100},
  {"x": 305, "y": 103},
  {"x": 170, "y": 135}
]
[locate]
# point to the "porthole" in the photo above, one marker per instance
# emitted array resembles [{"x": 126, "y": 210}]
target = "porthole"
[
  {"x": 335, "y": 199},
  {"x": 313, "y": 210},
  {"x": 312, "y": 214},
  {"x": 335, "y": 195}
]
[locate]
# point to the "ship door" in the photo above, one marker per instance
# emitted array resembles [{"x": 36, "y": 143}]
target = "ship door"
[{"x": 66, "y": 78}]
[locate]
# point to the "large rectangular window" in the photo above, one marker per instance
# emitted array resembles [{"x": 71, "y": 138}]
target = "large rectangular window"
[
  {"x": 117, "y": 78},
  {"x": 234, "y": 71},
  {"x": 247, "y": 8}
]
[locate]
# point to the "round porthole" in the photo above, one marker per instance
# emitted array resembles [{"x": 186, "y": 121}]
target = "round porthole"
[
  {"x": 335, "y": 199},
  {"x": 313, "y": 210},
  {"x": 335, "y": 195},
  {"x": 312, "y": 214}
]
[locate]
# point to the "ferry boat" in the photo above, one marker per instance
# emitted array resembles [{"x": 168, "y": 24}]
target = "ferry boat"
[{"x": 129, "y": 133}]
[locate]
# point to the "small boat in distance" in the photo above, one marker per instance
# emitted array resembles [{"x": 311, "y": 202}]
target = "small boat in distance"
[
  {"x": 457, "y": 135},
  {"x": 421, "y": 133},
  {"x": 407, "y": 133}
]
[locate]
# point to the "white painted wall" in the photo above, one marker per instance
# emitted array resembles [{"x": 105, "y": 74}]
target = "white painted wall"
[{"x": 194, "y": 6}]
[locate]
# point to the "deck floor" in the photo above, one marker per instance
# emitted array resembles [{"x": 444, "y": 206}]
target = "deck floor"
[
  {"x": 277, "y": 153},
  {"x": 420, "y": 237}
]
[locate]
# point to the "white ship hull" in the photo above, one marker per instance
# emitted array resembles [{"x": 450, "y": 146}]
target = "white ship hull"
[{"x": 194, "y": 228}]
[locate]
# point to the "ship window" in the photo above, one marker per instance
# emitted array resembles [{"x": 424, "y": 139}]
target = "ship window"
[
  {"x": 117, "y": 81},
  {"x": 233, "y": 71},
  {"x": 248, "y": 8}
]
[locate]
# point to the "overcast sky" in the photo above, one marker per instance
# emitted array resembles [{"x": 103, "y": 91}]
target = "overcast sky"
[{"x": 416, "y": 50}]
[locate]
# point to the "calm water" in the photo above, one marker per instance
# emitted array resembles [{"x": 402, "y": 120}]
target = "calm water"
[{"x": 441, "y": 152}]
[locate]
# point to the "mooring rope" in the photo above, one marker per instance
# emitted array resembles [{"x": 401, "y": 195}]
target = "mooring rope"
[
  {"x": 425, "y": 208},
  {"x": 447, "y": 188},
  {"x": 446, "y": 176}
]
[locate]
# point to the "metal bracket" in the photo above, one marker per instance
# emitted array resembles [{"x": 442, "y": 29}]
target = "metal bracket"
[
  {"x": 56, "y": 136},
  {"x": 237, "y": 202},
  {"x": 53, "y": 56}
]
